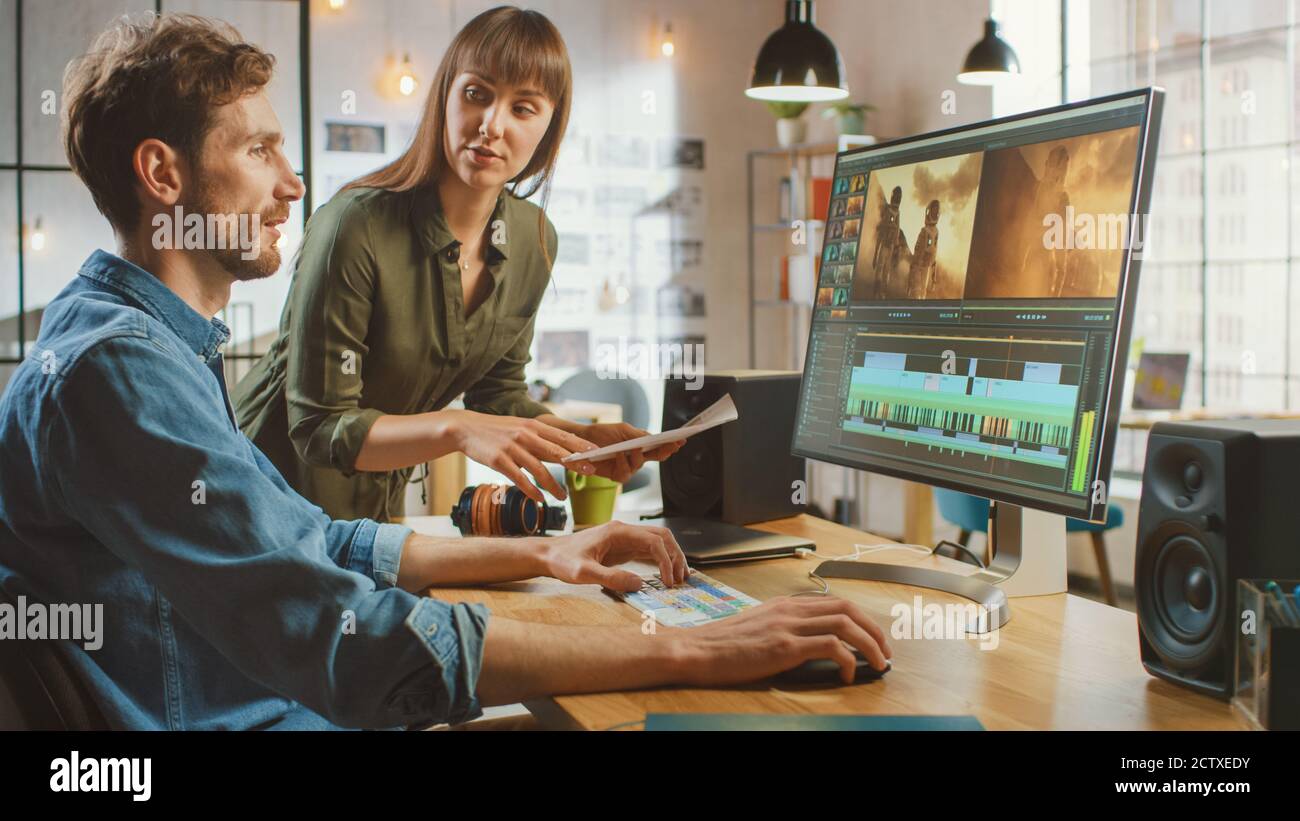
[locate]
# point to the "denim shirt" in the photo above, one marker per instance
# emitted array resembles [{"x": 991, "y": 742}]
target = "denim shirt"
[{"x": 228, "y": 600}]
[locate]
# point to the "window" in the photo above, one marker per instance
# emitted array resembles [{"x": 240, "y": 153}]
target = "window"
[
  {"x": 48, "y": 222},
  {"x": 1218, "y": 277}
]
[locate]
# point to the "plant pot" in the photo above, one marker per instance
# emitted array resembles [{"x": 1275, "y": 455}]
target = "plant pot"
[
  {"x": 790, "y": 131},
  {"x": 853, "y": 122}
]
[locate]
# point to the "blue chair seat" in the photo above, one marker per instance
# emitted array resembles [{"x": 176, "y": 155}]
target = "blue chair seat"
[{"x": 971, "y": 513}]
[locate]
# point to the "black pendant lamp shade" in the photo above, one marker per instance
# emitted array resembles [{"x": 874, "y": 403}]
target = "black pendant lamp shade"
[
  {"x": 990, "y": 61},
  {"x": 798, "y": 63}
]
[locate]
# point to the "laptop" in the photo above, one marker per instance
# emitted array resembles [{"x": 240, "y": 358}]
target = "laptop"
[{"x": 707, "y": 541}]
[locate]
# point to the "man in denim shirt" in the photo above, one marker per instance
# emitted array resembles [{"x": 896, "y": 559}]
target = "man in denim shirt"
[{"x": 229, "y": 601}]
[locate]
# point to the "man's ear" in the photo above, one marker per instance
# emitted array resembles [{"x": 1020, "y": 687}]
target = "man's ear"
[{"x": 159, "y": 172}]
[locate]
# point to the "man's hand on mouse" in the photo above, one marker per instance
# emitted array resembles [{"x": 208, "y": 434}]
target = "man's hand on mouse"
[{"x": 777, "y": 635}]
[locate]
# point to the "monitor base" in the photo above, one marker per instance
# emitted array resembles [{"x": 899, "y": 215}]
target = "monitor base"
[{"x": 1012, "y": 571}]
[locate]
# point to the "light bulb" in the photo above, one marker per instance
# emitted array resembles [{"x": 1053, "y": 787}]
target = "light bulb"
[
  {"x": 335, "y": 5},
  {"x": 406, "y": 83},
  {"x": 38, "y": 236},
  {"x": 667, "y": 46}
]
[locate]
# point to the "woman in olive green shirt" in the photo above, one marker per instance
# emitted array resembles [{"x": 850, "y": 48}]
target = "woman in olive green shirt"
[{"x": 420, "y": 282}]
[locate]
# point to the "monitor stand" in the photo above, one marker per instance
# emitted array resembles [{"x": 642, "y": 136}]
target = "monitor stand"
[{"x": 1013, "y": 571}]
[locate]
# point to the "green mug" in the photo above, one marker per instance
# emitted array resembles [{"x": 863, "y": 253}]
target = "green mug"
[{"x": 592, "y": 497}]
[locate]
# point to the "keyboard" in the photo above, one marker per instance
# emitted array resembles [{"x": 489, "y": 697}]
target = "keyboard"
[{"x": 701, "y": 599}]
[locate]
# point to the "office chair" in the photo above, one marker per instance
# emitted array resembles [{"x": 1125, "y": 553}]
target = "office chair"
[
  {"x": 971, "y": 515},
  {"x": 37, "y": 678}
]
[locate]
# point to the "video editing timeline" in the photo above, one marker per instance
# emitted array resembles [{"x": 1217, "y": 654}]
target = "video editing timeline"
[
  {"x": 949, "y": 339},
  {"x": 1008, "y": 398}
]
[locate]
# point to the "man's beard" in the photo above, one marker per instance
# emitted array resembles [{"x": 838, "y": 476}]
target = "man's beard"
[{"x": 232, "y": 257}]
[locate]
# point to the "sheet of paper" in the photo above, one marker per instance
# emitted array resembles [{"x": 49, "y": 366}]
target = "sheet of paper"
[{"x": 720, "y": 412}]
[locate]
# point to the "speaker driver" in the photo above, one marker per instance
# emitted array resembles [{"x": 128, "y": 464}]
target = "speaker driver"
[
  {"x": 1187, "y": 590},
  {"x": 1181, "y": 601},
  {"x": 695, "y": 482}
]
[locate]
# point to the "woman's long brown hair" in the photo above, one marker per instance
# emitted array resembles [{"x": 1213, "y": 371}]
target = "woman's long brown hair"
[{"x": 513, "y": 46}]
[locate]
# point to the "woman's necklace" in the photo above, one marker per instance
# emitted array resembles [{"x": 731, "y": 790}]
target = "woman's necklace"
[{"x": 465, "y": 259}]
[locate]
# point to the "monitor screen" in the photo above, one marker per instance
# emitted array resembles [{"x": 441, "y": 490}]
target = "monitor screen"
[{"x": 973, "y": 304}]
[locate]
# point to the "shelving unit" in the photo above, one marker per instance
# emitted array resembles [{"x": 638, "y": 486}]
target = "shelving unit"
[{"x": 799, "y": 163}]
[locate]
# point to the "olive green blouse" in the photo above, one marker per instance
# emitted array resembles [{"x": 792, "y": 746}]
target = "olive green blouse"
[{"x": 375, "y": 324}]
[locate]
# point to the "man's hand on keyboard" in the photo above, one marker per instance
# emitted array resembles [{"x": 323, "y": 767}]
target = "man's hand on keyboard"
[
  {"x": 589, "y": 556},
  {"x": 778, "y": 635}
]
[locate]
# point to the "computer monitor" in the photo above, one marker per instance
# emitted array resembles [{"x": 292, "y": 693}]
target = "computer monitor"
[{"x": 974, "y": 302}]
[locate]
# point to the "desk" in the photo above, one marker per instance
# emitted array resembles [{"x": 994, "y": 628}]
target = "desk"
[{"x": 1062, "y": 662}]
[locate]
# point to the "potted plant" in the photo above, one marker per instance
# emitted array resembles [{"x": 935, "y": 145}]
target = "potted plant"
[
  {"x": 790, "y": 129},
  {"x": 852, "y": 116}
]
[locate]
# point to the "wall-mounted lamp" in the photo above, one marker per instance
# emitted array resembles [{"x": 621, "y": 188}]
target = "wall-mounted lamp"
[
  {"x": 406, "y": 80},
  {"x": 991, "y": 60},
  {"x": 667, "y": 47},
  {"x": 798, "y": 63},
  {"x": 38, "y": 236}
]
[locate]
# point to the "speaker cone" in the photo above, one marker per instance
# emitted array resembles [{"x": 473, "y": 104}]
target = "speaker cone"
[{"x": 1181, "y": 611}]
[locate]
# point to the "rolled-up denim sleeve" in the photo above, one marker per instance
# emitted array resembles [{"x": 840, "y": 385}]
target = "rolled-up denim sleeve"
[
  {"x": 153, "y": 469},
  {"x": 367, "y": 547}
]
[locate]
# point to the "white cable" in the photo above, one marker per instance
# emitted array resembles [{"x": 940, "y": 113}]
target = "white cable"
[{"x": 860, "y": 550}]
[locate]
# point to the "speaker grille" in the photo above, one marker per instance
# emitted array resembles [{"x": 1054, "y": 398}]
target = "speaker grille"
[{"x": 1182, "y": 601}]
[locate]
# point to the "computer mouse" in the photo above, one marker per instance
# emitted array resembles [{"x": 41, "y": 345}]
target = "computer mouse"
[{"x": 827, "y": 672}]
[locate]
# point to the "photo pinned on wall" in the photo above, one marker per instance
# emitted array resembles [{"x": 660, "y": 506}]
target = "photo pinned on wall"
[
  {"x": 574, "y": 249},
  {"x": 566, "y": 301},
  {"x": 567, "y": 201},
  {"x": 563, "y": 349},
  {"x": 616, "y": 249},
  {"x": 680, "y": 253},
  {"x": 677, "y": 299},
  {"x": 624, "y": 151},
  {"x": 681, "y": 152},
  {"x": 619, "y": 200},
  {"x": 685, "y": 202},
  {"x": 361, "y": 138},
  {"x": 575, "y": 150}
]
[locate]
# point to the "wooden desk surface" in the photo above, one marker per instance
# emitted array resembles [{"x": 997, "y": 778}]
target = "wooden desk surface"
[{"x": 1062, "y": 662}]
